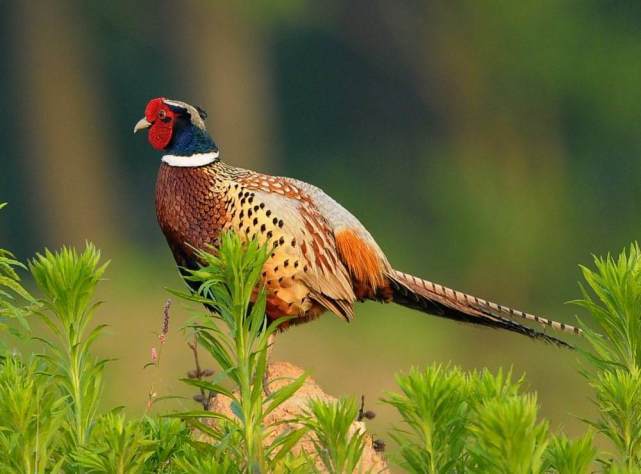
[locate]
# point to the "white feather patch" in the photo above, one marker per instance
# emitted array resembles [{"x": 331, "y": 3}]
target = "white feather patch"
[{"x": 192, "y": 161}]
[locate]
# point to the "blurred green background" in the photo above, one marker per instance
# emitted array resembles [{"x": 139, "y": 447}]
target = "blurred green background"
[{"x": 491, "y": 146}]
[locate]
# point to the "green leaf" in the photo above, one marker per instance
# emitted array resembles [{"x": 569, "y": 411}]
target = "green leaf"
[
  {"x": 213, "y": 387},
  {"x": 199, "y": 414},
  {"x": 286, "y": 441},
  {"x": 338, "y": 446},
  {"x": 566, "y": 456},
  {"x": 283, "y": 394},
  {"x": 237, "y": 410}
]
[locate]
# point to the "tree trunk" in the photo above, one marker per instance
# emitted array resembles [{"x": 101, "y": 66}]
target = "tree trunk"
[
  {"x": 225, "y": 70},
  {"x": 62, "y": 123}
]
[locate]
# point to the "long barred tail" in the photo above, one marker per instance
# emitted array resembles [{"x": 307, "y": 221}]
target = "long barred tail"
[{"x": 438, "y": 300}]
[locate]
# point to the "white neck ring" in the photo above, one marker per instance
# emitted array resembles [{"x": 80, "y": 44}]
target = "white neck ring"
[{"x": 192, "y": 161}]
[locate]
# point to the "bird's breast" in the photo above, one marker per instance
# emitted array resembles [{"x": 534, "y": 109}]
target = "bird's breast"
[{"x": 189, "y": 210}]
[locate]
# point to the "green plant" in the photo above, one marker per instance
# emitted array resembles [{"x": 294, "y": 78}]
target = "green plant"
[
  {"x": 13, "y": 296},
  {"x": 228, "y": 282},
  {"x": 433, "y": 405},
  {"x": 566, "y": 456},
  {"x": 506, "y": 436},
  {"x": 616, "y": 310},
  {"x": 471, "y": 422},
  {"x": 31, "y": 414},
  {"x": 454, "y": 421},
  {"x": 118, "y": 446},
  {"x": 67, "y": 280},
  {"x": 204, "y": 458},
  {"x": 31, "y": 409},
  {"x": 339, "y": 445},
  {"x": 170, "y": 437},
  {"x": 614, "y": 362},
  {"x": 60, "y": 390},
  {"x": 49, "y": 402},
  {"x": 480, "y": 422},
  {"x": 618, "y": 396}
]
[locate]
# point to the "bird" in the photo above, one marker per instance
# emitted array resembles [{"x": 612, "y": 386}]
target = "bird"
[{"x": 321, "y": 257}]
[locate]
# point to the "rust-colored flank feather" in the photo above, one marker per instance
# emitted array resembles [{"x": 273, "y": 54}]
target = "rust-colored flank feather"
[{"x": 362, "y": 261}]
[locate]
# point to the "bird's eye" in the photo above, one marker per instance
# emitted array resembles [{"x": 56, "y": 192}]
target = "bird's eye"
[{"x": 162, "y": 114}]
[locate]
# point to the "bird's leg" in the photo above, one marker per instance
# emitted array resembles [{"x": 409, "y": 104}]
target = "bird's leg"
[{"x": 270, "y": 345}]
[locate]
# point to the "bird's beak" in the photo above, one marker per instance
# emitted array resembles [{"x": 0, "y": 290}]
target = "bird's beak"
[{"x": 142, "y": 124}]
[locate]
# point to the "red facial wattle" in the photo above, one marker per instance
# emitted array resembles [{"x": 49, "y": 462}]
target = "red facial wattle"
[{"x": 162, "y": 119}]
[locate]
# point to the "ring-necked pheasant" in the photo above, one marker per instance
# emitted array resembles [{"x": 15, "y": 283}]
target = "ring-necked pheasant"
[{"x": 323, "y": 258}]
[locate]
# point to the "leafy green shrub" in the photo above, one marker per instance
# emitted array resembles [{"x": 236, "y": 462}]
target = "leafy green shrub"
[
  {"x": 479, "y": 422},
  {"x": 170, "y": 437},
  {"x": 616, "y": 284},
  {"x": 118, "y": 446},
  {"x": 205, "y": 459},
  {"x": 506, "y": 436},
  {"x": 433, "y": 405},
  {"x": 338, "y": 445},
  {"x": 454, "y": 421},
  {"x": 614, "y": 363},
  {"x": 226, "y": 283},
  {"x": 50, "y": 419},
  {"x": 13, "y": 296},
  {"x": 460, "y": 422},
  {"x": 68, "y": 280},
  {"x": 31, "y": 415},
  {"x": 565, "y": 456}
]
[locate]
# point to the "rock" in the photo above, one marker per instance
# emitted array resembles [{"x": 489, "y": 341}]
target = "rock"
[{"x": 279, "y": 374}]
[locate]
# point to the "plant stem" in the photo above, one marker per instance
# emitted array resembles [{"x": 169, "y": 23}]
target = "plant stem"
[{"x": 194, "y": 349}]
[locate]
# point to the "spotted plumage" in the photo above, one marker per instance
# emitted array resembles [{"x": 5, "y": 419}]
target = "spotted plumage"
[{"x": 321, "y": 257}]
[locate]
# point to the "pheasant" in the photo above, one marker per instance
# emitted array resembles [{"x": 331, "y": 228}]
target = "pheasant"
[{"x": 322, "y": 258}]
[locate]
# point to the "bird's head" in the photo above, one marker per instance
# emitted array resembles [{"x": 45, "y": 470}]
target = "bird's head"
[{"x": 176, "y": 128}]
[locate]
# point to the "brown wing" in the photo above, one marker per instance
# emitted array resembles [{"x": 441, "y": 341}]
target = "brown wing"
[
  {"x": 304, "y": 263},
  {"x": 355, "y": 246}
]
